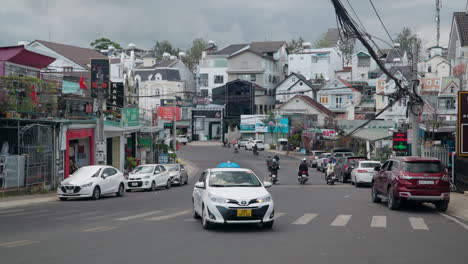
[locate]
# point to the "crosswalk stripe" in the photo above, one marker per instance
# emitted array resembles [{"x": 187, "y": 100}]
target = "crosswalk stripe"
[
  {"x": 379, "y": 221},
  {"x": 418, "y": 223},
  {"x": 341, "y": 220},
  {"x": 278, "y": 215},
  {"x": 138, "y": 216},
  {"x": 104, "y": 216},
  {"x": 303, "y": 220},
  {"x": 77, "y": 215},
  {"x": 169, "y": 216},
  {"x": 11, "y": 211}
]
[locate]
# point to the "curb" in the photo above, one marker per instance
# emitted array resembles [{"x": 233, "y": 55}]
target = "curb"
[{"x": 25, "y": 202}]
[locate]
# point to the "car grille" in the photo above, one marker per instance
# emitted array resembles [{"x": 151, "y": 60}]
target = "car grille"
[
  {"x": 231, "y": 214},
  {"x": 135, "y": 179},
  {"x": 243, "y": 202},
  {"x": 76, "y": 189},
  {"x": 131, "y": 184}
]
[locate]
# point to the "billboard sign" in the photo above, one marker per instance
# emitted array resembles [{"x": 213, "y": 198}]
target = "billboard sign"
[
  {"x": 168, "y": 112},
  {"x": 462, "y": 137},
  {"x": 400, "y": 141}
]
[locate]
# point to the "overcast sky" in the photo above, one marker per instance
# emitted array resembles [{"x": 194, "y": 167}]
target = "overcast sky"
[{"x": 79, "y": 22}]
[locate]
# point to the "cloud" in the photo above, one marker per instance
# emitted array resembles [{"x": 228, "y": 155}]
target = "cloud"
[{"x": 143, "y": 22}]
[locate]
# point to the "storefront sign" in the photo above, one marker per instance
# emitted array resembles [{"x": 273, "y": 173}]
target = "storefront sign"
[
  {"x": 207, "y": 113},
  {"x": 400, "y": 141},
  {"x": 168, "y": 112},
  {"x": 101, "y": 65},
  {"x": 79, "y": 109},
  {"x": 247, "y": 127},
  {"x": 130, "y": 117},
  {"x": 163, "y": 158},
  {"x": 71, "y": 84},
  {"x": 116, "y": 94},
  {"x": 462, "y": 124},
  {"x": 328, "y": 133},
  {"x": 144, "y": 142}
]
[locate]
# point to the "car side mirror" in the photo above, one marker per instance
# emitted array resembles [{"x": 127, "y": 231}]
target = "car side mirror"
[
  {"x": 267, "y": 184},
  {"x": 182, "y": 169},
  {"x": 378, "y": 168},
  {"x": 157, "y": 172},
  {"x": 200, "y": 185}
]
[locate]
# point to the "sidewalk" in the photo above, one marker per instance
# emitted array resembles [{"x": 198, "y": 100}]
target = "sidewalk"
[
  {"x": 23, "y": 200},
  {"x": 458, "y": 206}
]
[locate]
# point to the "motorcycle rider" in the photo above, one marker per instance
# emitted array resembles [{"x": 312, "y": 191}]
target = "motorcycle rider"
[
  {"x": 255, "y": 148},
  {"x": 330, "y": 169},
  {"x": 277, "y": 158},
  {"x": 269, "y": 160},
  {"x": 236, "y": 147},
  {"x": 273, "y": 168},
  {"x": 303, "y": 167}
]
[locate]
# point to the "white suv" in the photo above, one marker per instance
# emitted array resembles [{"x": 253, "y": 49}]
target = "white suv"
[
  {"x": 148, "y": 177},
  {"x": 259, "y": 143}
]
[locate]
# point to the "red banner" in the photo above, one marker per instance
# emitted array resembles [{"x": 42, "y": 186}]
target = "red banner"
[{"x": 167, "y": 112}]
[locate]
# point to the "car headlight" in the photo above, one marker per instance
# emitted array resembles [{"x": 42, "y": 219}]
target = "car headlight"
[
  {"x": 146, "y": 177},
  {"x": 86, "y": 185},
  {"x": 218, "y": 199},
  {"x": 264, "y": 199}
]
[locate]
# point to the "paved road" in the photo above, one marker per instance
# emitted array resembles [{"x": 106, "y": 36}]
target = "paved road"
[{"x": 316, "y": 224}]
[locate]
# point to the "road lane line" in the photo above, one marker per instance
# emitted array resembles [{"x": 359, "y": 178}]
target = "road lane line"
[
  {"x": 455, "y": 220},
  {"x": 379, "y": 221},
  {"x": 303, "y": 220},
  {"x": 278, "y": 215},
  {"x": 105, "y": 229},
  {"x": 11, "y": 211},
  {"x": 341, "y": 220},
  {"x": 95, "y": 228},
  {"x": 106, "y": 215},
  {"x": 138, "y": 216},
  {"x": 169, "y": 216},
  {"x": 24, "y": 213},
  {"x": 77, "y": 215},
  {"x": 51, "y": 214},
  {"x": 190, "y": 220},
  {"x": 418, "y": 223},
  {"x": 23, "y": 244},
  {"x": 14, "y": 242}
]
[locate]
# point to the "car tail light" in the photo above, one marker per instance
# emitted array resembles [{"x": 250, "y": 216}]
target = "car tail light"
[
  {"x": 446, "y": 195},
  {"x": 362, "y": 171},
  {"x": 405, "y": 194},
  {"x": 346, "y": 166},
  {"x": 445, "y": 178},
  {"x": 404, "y": 177}
]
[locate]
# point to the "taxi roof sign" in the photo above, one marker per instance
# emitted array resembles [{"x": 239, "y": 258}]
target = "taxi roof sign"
[{"x": 228, "y": 164}]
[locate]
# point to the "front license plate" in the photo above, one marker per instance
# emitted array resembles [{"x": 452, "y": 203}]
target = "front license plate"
[
  {"x": 134, "y": 183},
  {"x": 244, "y": 213},
  {"x": 426, "y": 182},
  {"x": 69, "y": 191}
]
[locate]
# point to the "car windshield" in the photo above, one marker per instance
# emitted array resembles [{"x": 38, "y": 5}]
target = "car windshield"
[
  {"x": 423, "y": 167},
  {"x": 339, "y": 155},
  {"x": 369, "y": 164},
  {"x": 318, "y": 153},
  {"x": 143, "y": 169},
  {"x": 348, "y": 154},
  {"x": 234, "y": 179},
  {"x": 174, "y": 167},
  {"x": 85, "y": 172},
  {"x": 325, "y": 156}
]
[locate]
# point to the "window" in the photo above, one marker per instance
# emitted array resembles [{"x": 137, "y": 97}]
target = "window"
[
  {"x": 293, "y": 79},
  {"x": 389, "y": 166},
  {"x": 364, "y": 61},
  {"x": 204, "y": 92},
  {"x": 423, "y": 167},
  {"x": 452, "y": 89},
  {"x": 302, "y": 58},
  {"x": 437, "y": 82},
  {"x": 269, "y": 78},
  {"x": 450, "y": 103},
  {"x": 429, "y": 68},
  {"x": 67, "y": 69},
  {"x": 323, "y": 99},
  {"x": 203, "y": 80},
  {"x": 314, "y": 118},
  {"x": 338, "y": 102},
  {"x": 202, "y": 177},
  {"x": 219, "y": 79},
  {"x": 253, "y": 77},
  {"x": 373, "y": 75},
  {"x": 428, "y": 82},
  {"x": 396, "y": 166}
]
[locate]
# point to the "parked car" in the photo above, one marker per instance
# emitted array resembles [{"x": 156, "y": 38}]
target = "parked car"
[
  {"x": 177, "y": 173},
  {"x": 243, "y": 141},
  {"x": 417, "y": 179},
  {"x": 259, "y": 143},
  {"x": 364, "y": 172},
  {"x": 183, "y": 139},
  {"x": 322, "y": 161},
  {"x": 93, "y": 182},
  {"x": 338, "y": 155},
  {"x": 344, "y": 166},
  {"x": 148, "y": 177},
  {"x": 314, "y": 155}
]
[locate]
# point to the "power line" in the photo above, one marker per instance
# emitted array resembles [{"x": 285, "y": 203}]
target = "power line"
[{"x": 380, "y": 19}]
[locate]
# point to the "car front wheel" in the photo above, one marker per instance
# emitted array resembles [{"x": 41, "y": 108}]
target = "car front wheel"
[
  {"x": 121, "y": 190},
  {"x": 205, "y": 223},
  {"x": 96, "y": 193}
]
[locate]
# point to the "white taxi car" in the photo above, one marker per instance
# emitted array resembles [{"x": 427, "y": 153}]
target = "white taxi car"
[
  {"x": 232, "y": 196},
  {"x": 92, "y": 182},
  {"x": 148, "y": 177},
  {"x": 364, "y": 172}
]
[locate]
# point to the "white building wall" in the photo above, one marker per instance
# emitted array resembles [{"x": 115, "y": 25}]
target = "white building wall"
[{"x": 60, "y": 62}]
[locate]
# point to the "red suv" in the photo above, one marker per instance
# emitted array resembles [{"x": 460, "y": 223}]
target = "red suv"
[{"x": 417, "y": 179}]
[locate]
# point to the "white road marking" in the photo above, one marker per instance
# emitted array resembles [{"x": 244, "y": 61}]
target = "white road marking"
[
  {"x": 11, "y": 211},
  {"x": 22, "y": 244},
  {"x": 190, "y": 220},
  {"x": 169, "y": 216},
  {"x": 12, "y": 243},
  {"x": 379, "y": 221},
  {"x": 51, "y": 214},
  {"x": 455, "y": 220},
  {"x": 99, "y": 229},
  {"x": 341, "y": 220},
  {"x": 77, "y": 215},
  {"x": 25, "y": 213},
  {"x": 104, "y": 216},
  {"x": 138, "y": 216},
  {"x": 278, "y": 215},
  {"x": 418, "y": 223},
  {"x": 303, "y": 220}
]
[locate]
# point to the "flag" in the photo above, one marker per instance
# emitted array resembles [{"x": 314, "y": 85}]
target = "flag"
[
  {"x": 34, "y": 94},
  {"x": 82, "y": 83}
]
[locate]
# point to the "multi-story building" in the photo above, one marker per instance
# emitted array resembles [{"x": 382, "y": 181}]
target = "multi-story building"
[
  {"x": 315, "y": 63},
  {"x": 458, "y": 46},
  {"x": 295, "y": 84},
  {"x": 339, "y": 96}
]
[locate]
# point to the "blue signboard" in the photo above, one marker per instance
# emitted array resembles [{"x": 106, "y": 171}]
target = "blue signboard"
[
  {"x": 163, "y": 158},
  {"x": 247, "y": 127}
]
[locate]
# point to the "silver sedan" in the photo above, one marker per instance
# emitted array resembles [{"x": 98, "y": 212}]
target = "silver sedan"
[{"x": 177, "y": 173}]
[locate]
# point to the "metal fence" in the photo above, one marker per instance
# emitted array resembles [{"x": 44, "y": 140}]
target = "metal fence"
[{"x": 442, "y": 153}]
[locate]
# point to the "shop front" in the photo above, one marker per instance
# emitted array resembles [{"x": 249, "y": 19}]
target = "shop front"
[{"x": 79, "y": 149}]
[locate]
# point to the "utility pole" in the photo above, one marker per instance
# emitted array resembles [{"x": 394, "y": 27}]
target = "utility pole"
[
  {"x": 438, "y": 7},
  {"x": 289, "y": 135},
  {"x": 174, "y": 145},
  {"x": 414, "y": 119},
  {"x": 100, "y": 122}
]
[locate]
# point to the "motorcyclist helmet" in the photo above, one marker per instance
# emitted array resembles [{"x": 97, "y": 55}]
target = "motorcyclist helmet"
[
  {"x": 274, "y": 160},
  {"x": 304, "y": 160}
]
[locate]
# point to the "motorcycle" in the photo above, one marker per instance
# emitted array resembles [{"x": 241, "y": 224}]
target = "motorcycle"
[
  {"x": 303, "y": 178},
  {"x": 330, "y": 178},
  {"x": 255, "y": 152},
  {"x": 236, "y": 150},
  {"x": 273, "y": 177}
]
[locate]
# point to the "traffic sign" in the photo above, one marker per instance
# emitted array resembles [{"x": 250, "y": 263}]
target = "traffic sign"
[{"x": 163, "y": 158}]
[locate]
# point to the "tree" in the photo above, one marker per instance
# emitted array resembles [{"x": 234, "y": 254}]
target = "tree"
[
  {"x": 294, "y": 45},
  {"x": 406, "y": 38},
  {"x": 322, "y": 42},
  {"x": 162, "y": 47},
  {"x": 346, "y": 48},
  {"x": 103, "y": 44},
  {"x": 194, "y": 53}
]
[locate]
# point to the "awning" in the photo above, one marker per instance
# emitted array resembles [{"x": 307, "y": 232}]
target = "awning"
[
  {"x": 122, "y": 129},
  {"x": 371, "y": 134}
]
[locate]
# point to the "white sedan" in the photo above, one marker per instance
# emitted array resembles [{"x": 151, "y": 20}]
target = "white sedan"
[
  {"x": 259, "y": 143},
  {"x": 232, "y": 196},
  {"x": 92, "y": 181},
  {"x": 363, "y": 172},
  {"x": 149, "y": 177}
]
